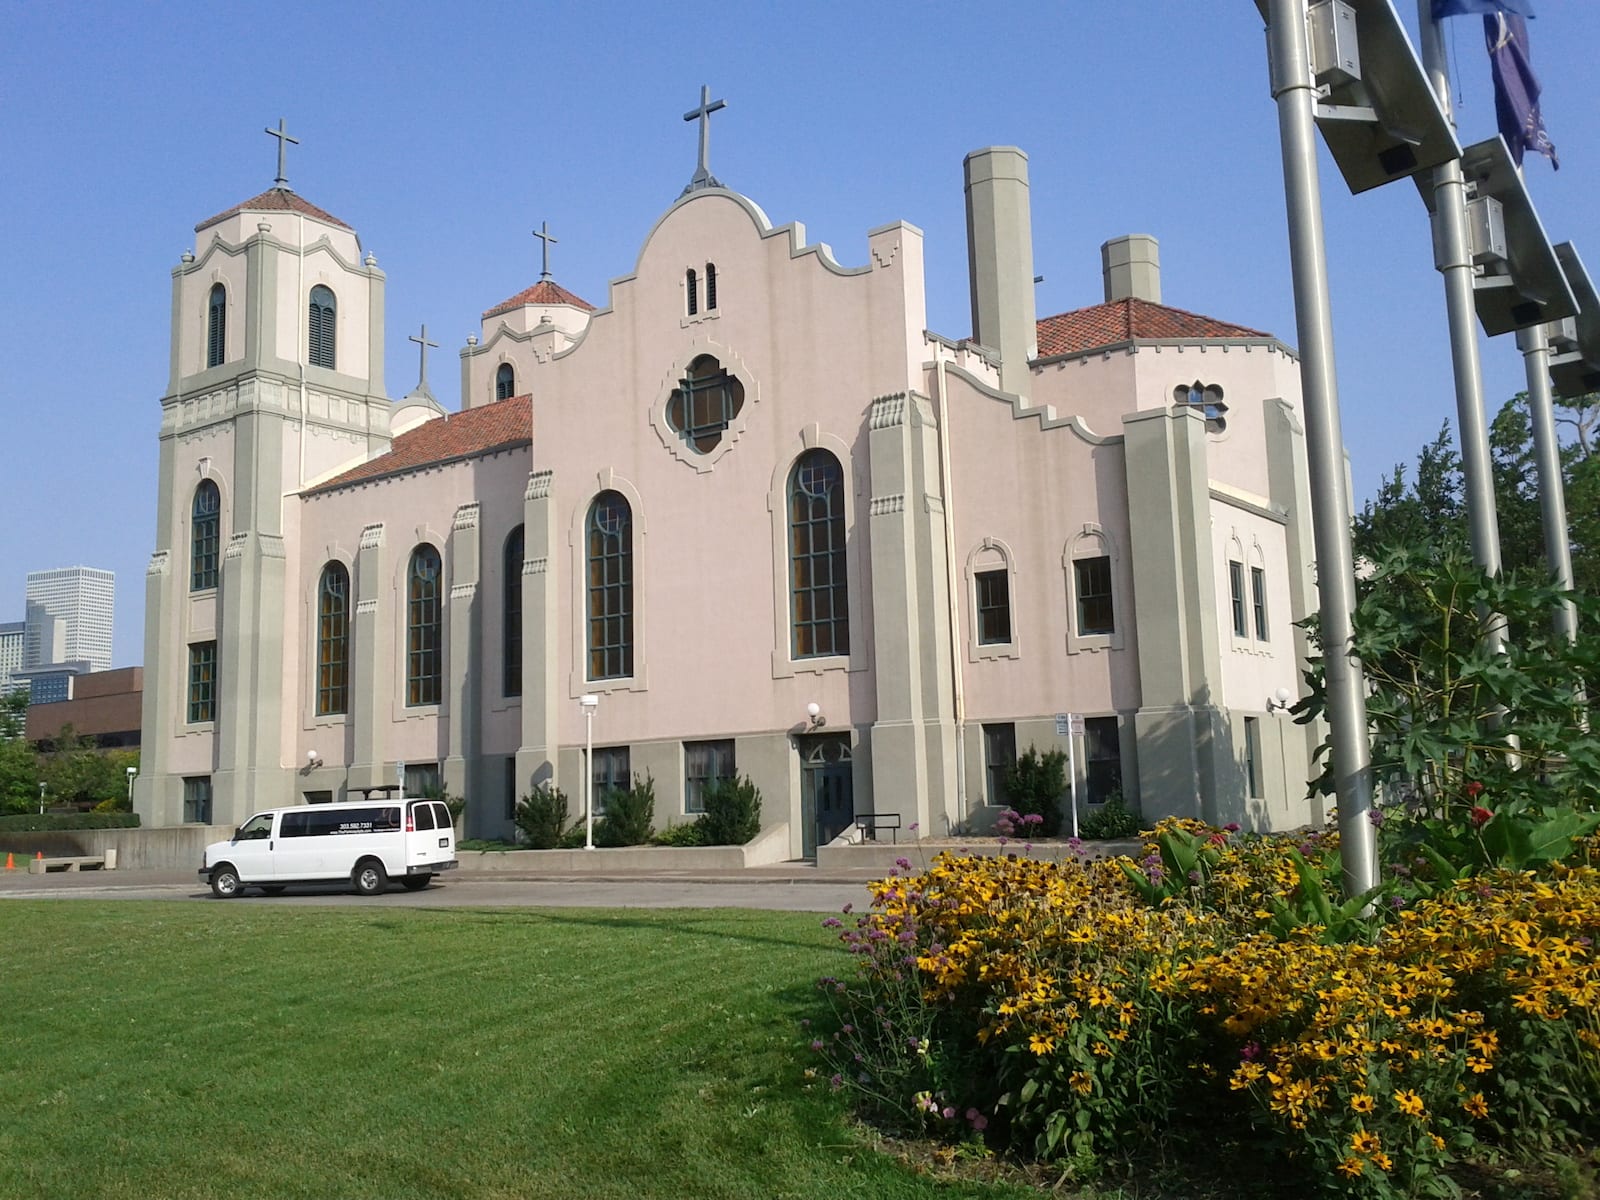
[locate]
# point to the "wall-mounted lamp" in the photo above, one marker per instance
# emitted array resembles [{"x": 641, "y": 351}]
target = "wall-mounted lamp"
[
  {"x": 814, "y": 715},
  {"x": 313, "y": 760},
  {"x": 1280, "y": 701}
]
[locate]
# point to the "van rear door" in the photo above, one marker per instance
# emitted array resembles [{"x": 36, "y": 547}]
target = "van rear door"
[{"x": 429, "y": 836}]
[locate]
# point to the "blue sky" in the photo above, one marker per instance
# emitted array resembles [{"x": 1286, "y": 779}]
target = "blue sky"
[{"x": 445, "y": 133}]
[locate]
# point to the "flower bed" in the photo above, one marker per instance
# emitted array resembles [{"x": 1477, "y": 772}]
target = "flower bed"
[{"x": 1090, "y": 1012}]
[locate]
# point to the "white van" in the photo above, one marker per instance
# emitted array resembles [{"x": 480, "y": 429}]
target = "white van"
[{"x": 366, "y": 841}]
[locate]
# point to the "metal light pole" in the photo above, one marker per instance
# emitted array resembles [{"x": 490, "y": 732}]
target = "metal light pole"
[
  {"x": 132, "y": 771},
  {"x": 1535, "y": 346},
  {"x": 589, "y": 702},
  {"x": 1453, "y": 260},
  {"x": 1292, "y": 88},
  {"x": 41, "y": 799}
]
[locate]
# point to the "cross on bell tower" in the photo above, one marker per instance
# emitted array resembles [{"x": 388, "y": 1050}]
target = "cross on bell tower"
[
  {"x": 544, "y": 235},
  {"x": 283, "y": 137},
  {"x": 703, "y": 178}
]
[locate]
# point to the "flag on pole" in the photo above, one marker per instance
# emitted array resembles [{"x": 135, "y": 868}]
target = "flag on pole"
[
  {"x": 1462, "y": 8},
  {"x": 1516, "y": 91}
]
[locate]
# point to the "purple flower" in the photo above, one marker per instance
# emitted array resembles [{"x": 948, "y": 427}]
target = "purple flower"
[
  {"x": 907, "y": 936},
  {"x": 1231, "y": 827},
  {"x": 903, "y": 863},
  {"x": 816, "y": 1044},
  {"x": 847, "y": 909},
  {"x": 832, "y": 923},
  {"x": 1397, "y": 901},
  {"x": 1250, "y": 1051},
  {"x": 836, "y": 1082},
  {"x": 915, "y": 826},
  {"x": 913, "y": 1043},
  {"x": 978, "y": 1120},
  {"x": 949, "y": 1114},
  {"x": 1375, "y": 815}
]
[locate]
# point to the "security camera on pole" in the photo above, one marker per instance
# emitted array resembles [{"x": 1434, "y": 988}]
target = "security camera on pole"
[{"x": 1351, "y": 70}]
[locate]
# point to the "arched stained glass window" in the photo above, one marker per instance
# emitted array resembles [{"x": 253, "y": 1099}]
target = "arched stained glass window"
[
  {"x": 333, "y": 640},
  {"x": 610, "y": 587},
  {"x": 511, "y": 630},
  {"x": 205, "y": 531},
  {"x": 217, "y": 326},
  {"x": 818, "y": 585},
  {"x": 505, "y": 382},
  {"x": 424, "y": 627},
  {"x": 320, "y": 328}
]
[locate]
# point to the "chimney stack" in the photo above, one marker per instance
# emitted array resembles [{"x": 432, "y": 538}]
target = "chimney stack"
[
  {"x": 1131, "y": 266},
  {"x": 1000, "y": 260}
]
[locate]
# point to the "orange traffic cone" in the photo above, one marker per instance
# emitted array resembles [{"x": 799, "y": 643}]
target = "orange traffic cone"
[
  {"x": 38, "y": 853},
  {"x": 10, "y": 866}
]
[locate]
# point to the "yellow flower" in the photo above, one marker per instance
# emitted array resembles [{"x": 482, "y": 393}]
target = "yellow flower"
[
  {"x": 1041, "y": 1044},
  {"x": 1363, "y": 1142},
  {"x": 1409, "y": 1103},
  {"x": 1361, "y": 1103},
  {"x": 1382, "y": 1161},
  {"x": 1351, "y": 1167},
  {"x": 1475, "y": 1106},
  {"x": 1438, "y": 1142},
  {"x": 1082, "y": 1082}
]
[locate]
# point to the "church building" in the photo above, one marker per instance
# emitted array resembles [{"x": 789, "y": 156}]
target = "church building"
[{"x": 747, "y": 515}]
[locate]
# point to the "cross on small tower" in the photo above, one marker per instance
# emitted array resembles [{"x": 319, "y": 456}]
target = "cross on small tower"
[
  {"x": 422, "y": 371},
  {"x": 283, "y": 137},
  {"x": 544, "y": 235},
  {"x": 703, "y": 177}
]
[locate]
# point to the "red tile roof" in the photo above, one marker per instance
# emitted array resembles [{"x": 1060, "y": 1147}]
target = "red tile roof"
[
  {"x": 275, "y": 200},
  {"x": 503, "y": 425},
  {"x": 543, "y": 292},
  {"x": 1126, "y": 321}
]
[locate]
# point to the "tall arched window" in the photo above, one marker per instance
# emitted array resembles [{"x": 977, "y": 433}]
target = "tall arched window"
[
  {"x": 505, "y": 382},
  {"x": 319, "y": 326},
  {"x": 217, "y": 326},
  {"x": 333, "y": 640},
  {"x": 424, "y": 627},
  {"x": 511, "y": 631},
  {"x": 711, "y": 286},
  {"x": 692, "y": 287},
  {"x": 818, "y": 588},
  {"x": 610, "y": 585},
  {"x": 204, "y": 533}
]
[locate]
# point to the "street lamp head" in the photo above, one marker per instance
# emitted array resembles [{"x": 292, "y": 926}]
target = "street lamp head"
[
  {"x": 313, "y": 759},
  {"x": 814, "y": 714},
  {"x": 589, "y": 701},
  {"x": 132, "y": 771}
]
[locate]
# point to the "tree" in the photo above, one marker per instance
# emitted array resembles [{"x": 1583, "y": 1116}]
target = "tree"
[
  {"x": 1430, "y": 515},
  {"x": 13, "y": 713},
  {"x": 19, "y": 776},
  {"x": 76, "y": 771}
]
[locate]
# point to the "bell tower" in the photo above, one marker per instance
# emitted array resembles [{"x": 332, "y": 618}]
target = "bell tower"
[{"x": 275, "y": 380}]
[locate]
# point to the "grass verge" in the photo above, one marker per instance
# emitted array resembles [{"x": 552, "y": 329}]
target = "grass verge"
[{"x": 193, "y": 1050}]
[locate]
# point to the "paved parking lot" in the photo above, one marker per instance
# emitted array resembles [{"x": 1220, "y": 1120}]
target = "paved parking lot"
[{"x": 793, "y": 889}]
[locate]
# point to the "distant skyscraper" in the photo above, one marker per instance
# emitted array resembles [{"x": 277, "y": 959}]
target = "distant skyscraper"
[
  {"x": 11, "y": 640},
  {"x": 69, "y": 617}
]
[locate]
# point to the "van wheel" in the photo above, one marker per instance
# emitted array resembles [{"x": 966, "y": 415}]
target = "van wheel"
[
  {"x": 415, "y": 883},
  {"x": 369, "y": 877},
  {"x": 225, "y": 883}
]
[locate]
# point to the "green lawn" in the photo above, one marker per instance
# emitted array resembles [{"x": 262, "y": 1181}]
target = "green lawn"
[{"x": 160, "y": 1051}]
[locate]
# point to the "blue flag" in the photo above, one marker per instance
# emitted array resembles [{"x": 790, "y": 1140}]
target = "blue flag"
[
  {"x": 1461, "y": 8},
  {"x": 1516, "y": 91}
]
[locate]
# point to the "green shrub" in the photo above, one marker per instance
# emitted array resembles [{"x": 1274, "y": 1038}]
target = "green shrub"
[
  {"x": 733, "y": 812},
  {"x": 573, "y": 839},
  {"x": 31, "y": 822},
  {"x": 541, "y": 815},
  {"x": 1113, "y": 819},
  {"x": 684, "y": 834},
  {"x": 1034, "y": 784},
  {"x": 628, "y": 815}
]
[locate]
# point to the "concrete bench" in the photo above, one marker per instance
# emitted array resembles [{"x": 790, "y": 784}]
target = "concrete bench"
[{"x": 84, "y": 862}]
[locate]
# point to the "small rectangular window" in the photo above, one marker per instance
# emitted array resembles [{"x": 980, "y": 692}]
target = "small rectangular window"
[
  {"x": 1252, "y": 756},
  {"x": 202, "y": 682},
  {"x": 1241, "y": 625},
  {"x": 702, "y": 763},
  {"x": 999, "y": 755},
  {"x": 422, "y": 816},
  {"x": 1102, "y": 752},
  {"x": 1258, "y": 593},
  {"x": 422, "y": 779},
  {"x": 1092, "y": 579},
  {"x": 197, "y": 799},
  {"x": 994, "y": 607},
  {"x": 611, "y": 774}
]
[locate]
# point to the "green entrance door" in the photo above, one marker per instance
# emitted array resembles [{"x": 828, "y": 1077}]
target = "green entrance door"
[{"x": 827, "y": 801}]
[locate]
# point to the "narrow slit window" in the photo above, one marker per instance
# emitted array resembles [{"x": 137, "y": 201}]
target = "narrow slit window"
[
  {"x": 692, "y": 288},
  {"x": 217, "y": 326}
]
